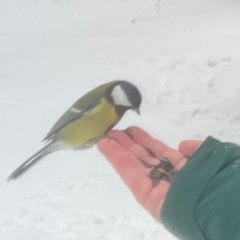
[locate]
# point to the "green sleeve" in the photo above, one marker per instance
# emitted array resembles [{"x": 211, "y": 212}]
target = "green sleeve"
[{"x": 203, "y": 201}]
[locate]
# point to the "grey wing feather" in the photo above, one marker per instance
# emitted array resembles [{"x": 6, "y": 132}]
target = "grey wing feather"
[
  {"x": 65, "y": 119},
  {"x": 76, "y": 111}
]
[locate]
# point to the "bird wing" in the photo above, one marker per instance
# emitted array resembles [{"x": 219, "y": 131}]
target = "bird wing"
[
  {"x": 80, "y": 108},
  {"x": 77, "y": 110}
]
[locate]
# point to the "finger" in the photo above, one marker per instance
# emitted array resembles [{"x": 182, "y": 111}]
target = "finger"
[
  {"x": 111, "y": 148},
  {"x": 127, "y": 165},
  {"x": 181, "y": 164},
  {"x": 189, "y": 147},
  {"x": 142, "y": 138},
  {"x": 127, "y": 143},
  {"x": 154, "y": 146}
]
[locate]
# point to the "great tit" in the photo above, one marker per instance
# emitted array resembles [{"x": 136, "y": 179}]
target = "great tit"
[{"x": 87, "y": 120}]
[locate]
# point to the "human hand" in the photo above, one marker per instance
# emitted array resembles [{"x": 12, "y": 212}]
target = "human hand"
[{"x": 126, "y": 149}]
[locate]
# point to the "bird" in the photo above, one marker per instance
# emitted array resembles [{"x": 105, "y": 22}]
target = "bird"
[{"x": 89, "y": 119}]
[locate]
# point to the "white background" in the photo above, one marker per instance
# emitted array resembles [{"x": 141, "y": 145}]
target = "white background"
[{"x": 184, "y": 55}]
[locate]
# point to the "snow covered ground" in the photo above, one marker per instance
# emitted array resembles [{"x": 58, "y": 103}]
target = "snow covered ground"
[{"x": 184, "y": 55}]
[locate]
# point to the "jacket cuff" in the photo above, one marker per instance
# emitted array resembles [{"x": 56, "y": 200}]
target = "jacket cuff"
[{"x": 179, "y": 209}]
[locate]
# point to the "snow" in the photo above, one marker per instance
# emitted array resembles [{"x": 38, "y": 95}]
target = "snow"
[{"x": 183, "y": 56}]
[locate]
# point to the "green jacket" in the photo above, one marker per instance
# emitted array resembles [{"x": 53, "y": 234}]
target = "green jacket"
[{"x": 204, "y": 199}]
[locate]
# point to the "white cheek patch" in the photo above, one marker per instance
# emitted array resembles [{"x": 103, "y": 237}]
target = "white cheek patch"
[{"x": 120, "y": 97}]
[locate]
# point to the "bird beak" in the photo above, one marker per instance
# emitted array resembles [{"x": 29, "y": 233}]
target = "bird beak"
[{"x": 137, "y": 111}]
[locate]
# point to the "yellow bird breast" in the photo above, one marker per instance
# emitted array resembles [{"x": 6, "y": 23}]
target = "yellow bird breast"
[{"x": 89, "y": 128}]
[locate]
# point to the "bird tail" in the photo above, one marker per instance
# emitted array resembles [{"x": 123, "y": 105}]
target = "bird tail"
[{"x": 32, "y": 160}]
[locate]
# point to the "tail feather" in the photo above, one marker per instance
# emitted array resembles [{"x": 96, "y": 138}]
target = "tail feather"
[{"x": 31, "y": 161}]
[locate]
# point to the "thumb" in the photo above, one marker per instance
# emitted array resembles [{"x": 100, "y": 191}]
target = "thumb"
[{"x": 189, "y": 147}]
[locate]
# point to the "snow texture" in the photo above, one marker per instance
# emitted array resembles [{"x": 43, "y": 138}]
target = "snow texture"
[{"x": 182, "y": 54}]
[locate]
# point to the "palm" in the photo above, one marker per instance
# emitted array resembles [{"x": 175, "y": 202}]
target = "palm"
[{"x": 125, "y": 149}]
